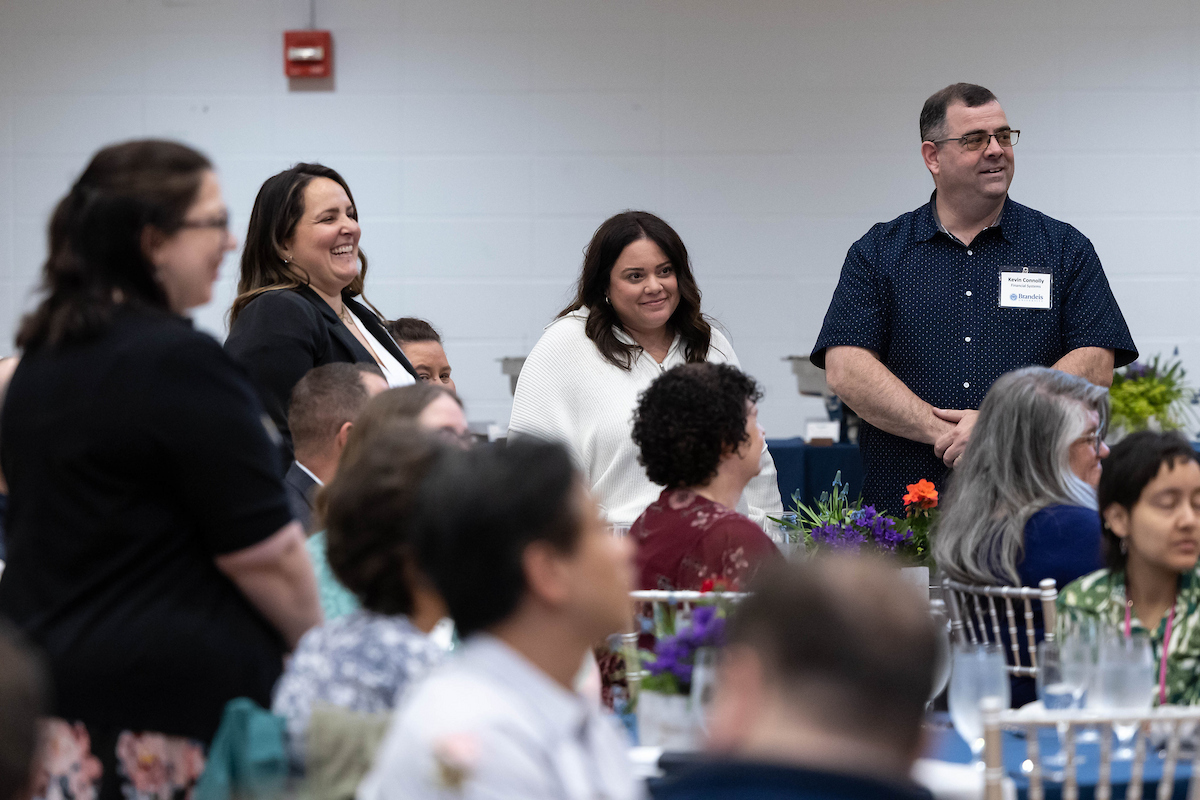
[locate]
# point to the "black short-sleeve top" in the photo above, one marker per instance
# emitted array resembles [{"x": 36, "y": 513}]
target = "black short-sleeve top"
[
  {"x": 929, "y": 305},
  {"x": 133, "y": 460}
]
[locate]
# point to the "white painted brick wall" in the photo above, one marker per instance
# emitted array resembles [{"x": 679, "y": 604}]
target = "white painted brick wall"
[{"x": 486, "y": 139}]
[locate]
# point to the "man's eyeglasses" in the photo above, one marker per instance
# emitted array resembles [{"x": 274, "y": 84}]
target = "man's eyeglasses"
[
  {"x": 217, "y": 223},
  {"x": 980, "y": 140}
]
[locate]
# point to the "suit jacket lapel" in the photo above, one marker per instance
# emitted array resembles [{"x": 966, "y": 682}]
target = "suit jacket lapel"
[{"x": 379, "y": 332}]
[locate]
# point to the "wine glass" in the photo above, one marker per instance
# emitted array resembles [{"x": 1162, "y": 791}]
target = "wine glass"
[
  {"x": 979, "y": 673},
  {"x": 942, "y": 663},
  {"x": 1124, "y": 684},
  {"x": 1059, "y": 689}
]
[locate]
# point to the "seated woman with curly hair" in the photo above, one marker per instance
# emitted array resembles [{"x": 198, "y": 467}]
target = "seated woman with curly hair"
[{"x": 698, "y": 432}]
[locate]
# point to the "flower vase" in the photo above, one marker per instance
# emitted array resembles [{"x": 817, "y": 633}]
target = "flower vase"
[
  {"x": 918, "y": 577},
  {"x": 667, "y": 721}
]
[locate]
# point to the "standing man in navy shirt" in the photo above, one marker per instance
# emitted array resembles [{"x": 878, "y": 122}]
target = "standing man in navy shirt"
[{"x": 935, "y": 305}]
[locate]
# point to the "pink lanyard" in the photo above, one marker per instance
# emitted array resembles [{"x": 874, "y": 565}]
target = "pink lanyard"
[{"x": 1162, "y": 667}]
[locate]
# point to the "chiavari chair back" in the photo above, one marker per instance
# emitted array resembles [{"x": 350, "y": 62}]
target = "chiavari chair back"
[
  {"x": 1170, "y": 725},
  {"x": 983, "y": 615}
]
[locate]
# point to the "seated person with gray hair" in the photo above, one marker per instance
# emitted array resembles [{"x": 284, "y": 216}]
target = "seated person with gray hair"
[
  {"x": 1021, "y": 506},
  {"x": 821, "y": 688},
  {"x": 421, "y": 342},
  {"x": 320, "y": 414}
]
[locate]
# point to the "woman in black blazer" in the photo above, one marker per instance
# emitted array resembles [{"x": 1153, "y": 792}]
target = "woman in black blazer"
[{"x": 296, "y": 306}]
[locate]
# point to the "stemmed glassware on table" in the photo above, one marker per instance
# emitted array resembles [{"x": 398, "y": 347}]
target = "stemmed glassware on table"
[
  {"x": 1124, "y": 683},
  {"x": 1062, "y": 675},
  {"x": 979, "y": 673}
]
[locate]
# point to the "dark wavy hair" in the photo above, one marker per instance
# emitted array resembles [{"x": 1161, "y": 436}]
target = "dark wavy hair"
[
  {"x": 608, "y": 242},
  {"x": 96, "y": 259},
  {"x": 374, "y": 512},
  {"x": 277, "y": 208},
  {"x": 492, "y": 503},
  {"x": 1131, "y": 465},
  {"x": 688, "y": 418}
]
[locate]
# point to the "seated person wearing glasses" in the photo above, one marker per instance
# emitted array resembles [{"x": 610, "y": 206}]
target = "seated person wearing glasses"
[
  {"x": 1150, "y": 499},
  {"x": 821, "y": 689},
  {"x": 1021, "y": 506},
  {"x": 320, "y": 415},
  {"x": 697, "y": 431},
  {"x": 533, "y": 578},
  {"x": 932, "y": 307},
  {"x": 423, "y": 346}
]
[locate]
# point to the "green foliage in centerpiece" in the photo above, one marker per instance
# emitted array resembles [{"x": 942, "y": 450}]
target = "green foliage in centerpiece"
[
  {"x": 837, "y": 524},
  {"x": 1154, "y": 390}
]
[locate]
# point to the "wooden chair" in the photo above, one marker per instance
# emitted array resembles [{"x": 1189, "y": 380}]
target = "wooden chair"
[
  {"x": 1173, "y": 720},
  {"x": 976, "y": 612}
]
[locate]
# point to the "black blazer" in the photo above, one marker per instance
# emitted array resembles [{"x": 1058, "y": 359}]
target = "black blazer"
[{"x": 282, "y": 334}]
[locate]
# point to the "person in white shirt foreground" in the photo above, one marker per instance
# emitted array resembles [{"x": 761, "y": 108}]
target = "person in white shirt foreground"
[
  {"x": 821, "y": 688},
  {"x": 533, "y": 580}
]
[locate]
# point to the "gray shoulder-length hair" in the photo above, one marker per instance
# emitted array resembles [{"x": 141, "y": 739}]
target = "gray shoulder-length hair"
[{"x": 1017, "y": 463}]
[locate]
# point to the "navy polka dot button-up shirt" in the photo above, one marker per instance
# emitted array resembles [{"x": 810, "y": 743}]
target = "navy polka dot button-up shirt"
[{"x": 930, "y": 307}]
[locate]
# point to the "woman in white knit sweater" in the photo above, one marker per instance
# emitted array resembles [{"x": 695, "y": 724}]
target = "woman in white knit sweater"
[{"x": 635, "y": 315}]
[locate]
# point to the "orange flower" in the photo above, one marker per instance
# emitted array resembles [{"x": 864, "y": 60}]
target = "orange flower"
[{"x": 922, "y": 494}]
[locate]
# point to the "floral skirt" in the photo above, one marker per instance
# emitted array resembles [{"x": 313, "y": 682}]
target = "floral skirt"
[{"x": 84, "y": 762}]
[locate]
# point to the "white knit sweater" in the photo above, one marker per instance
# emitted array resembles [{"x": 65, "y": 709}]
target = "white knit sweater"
[{"x": 568, "y": 392}]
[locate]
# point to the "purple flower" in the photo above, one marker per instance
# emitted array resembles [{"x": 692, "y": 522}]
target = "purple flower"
[
  {"x": 677, "y": 654},
  {"x": 1136, "y": 370}
]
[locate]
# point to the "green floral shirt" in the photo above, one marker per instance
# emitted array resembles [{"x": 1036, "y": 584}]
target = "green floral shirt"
[{"x": 1100, "y": 596}]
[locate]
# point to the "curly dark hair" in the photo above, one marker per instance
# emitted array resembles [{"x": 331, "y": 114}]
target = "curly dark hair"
[{"x": 688, "y": 418}]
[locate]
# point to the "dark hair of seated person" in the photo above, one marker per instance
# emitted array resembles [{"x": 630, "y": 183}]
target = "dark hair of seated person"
[
  {"x": 323, "y": 400},
  {"x": 486, "y": 506},
  {"x": 1131, "y": 464},
  {"x": 849, "y": 641},
  {"x": 411, "y": 329},
  {"x": 23, "y": 698},
  {"x": 688, "y": 419},
  {"x": 373, "y": 512}
]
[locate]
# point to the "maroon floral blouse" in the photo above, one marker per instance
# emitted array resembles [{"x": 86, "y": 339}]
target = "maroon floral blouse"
[{"x": 684, "y": 539}]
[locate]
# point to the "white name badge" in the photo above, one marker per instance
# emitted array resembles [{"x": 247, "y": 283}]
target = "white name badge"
[{"x": 1025, "y": 290}]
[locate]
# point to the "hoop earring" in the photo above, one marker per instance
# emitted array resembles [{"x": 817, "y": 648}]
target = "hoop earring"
[{"x": 607, "y": 300}]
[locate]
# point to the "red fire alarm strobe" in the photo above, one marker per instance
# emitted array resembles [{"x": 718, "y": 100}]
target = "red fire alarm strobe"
[{"x": 307, "y": 54}]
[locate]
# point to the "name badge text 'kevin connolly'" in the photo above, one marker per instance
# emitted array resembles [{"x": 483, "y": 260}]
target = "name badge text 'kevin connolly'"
[{"x": 1024, "y": 290}]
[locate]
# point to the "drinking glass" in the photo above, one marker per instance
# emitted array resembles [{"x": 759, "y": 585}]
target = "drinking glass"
[
  {"x": 1058, "y": 689},
  {"x": 1080, "y": 651},
  {"x": 942, "y": 664},
  {"x": 979, "y": 673},
  {"x": 1124, "y": 684}
]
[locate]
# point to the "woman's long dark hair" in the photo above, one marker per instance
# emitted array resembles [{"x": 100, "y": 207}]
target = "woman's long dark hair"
[
  {"x": 608, "y": 242},
  {"x": 277, "y": 208},
  {"x": 96, "y": 259}
]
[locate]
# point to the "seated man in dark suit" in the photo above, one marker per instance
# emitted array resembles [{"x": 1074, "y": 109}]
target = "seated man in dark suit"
[
  {"x": 322, "y": 410},
  {"x": 8, "y": 365},
  {"x": 821, "y": 690}
]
